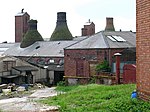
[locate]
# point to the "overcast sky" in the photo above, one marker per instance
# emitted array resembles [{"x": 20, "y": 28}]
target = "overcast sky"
[{"x": 78, "y": 12}]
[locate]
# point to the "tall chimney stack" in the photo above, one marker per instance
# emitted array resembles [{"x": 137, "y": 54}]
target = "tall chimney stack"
[
  {"x": 32, "y": 34},
  {"x": 109, "y": 24},
  {"x": 21, "y": 25},
  {"x": 61, "y": 31}
]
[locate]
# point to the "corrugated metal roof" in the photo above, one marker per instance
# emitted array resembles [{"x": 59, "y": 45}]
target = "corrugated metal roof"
[
  {"x": 25, "y": 68},
  {"x": 94, "y": 41},
  {"x": 40, "y": 48}
]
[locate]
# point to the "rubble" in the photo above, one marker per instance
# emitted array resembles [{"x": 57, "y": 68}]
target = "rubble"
[{"x": 29, "y": 103}]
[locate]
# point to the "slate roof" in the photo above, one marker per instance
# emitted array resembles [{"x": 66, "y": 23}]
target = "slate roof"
[
  {"x": 56, "y": 48},
  {"x": 40, "y": 48},
  {"x": 91, "y": 42},
  {"x": 100, "y": 41},
  {"x": 5, "y": 46},
  {"x": 130, "y": 38}
]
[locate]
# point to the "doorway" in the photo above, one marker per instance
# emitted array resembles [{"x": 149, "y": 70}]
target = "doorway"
[{"x": 58, "y": 76}]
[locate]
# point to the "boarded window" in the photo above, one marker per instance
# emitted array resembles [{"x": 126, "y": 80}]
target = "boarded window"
[
  {"x": 79, "y": 66},
  {"x": 92, "y": 69}
]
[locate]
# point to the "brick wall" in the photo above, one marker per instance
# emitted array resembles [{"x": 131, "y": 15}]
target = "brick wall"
[
  {"x": 129, "y": 74},
  {"x": 73, "y": 57},
  {"x": 143, "y": 48},
  {"x": 21, "y": 26},
  {"x": 88, "y": 30}
]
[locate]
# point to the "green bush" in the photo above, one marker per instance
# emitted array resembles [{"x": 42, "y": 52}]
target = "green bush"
[
  {"x": 61, "y": 83},
  {"x": 103, "y": 67}
]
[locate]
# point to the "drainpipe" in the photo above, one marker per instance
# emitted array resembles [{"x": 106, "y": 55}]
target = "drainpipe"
[{"x": 117, "y": 55}]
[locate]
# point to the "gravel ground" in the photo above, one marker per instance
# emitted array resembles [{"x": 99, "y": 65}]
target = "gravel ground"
[{"x": 28, "y": 104}]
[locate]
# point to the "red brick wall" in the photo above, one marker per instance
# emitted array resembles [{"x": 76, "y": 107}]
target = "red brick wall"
[
  {"x": 72, "y": 57},
  {"x": 21, "y": 26},
  {"x": 84, "y": 31},
  {"x": 88, "y": 30},
  {"x": 143, "y": 48},
  {"x": 129, "y": 74}
]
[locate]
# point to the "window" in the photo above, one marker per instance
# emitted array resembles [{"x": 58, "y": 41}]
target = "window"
[
  {"x": 116, "y": 38},
  {"x": 119, "y": 39},
  {"x": 111, "y": 38}
]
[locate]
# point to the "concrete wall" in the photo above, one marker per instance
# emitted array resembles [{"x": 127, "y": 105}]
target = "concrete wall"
[
  {"x": 51, "y": 77},
  {"x": 143, "y": 48}
]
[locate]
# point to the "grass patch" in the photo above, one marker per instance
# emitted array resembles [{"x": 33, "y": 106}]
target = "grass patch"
[{"x": 98, "y": 98}]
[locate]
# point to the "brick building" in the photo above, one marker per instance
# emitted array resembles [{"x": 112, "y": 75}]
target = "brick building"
[
  {"x": 89, "y": 29},
  {"x": 80, "y": 58},
  {"x": 143, "y": 48}
]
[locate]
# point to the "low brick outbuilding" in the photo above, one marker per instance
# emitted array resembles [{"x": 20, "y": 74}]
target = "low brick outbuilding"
[{"x": 81, "y": 58}]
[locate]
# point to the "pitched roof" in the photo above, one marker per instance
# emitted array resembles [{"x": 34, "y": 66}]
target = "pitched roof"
[
  {"x": 123, "y": 39},
  {"x": 5, "y": 46},
  {"x": 126, "y": 39},
  {"x": 94, "y": 41},
  {"x": 99, "y": 40},
  {"x": 40, "y": 48},
  {"x": 21, "y": 14}
]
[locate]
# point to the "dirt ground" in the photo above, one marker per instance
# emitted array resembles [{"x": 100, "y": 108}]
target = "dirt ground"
[{"x": 28, "y": 103}]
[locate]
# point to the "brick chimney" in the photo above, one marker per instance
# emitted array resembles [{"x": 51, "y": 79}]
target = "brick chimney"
[
  {"x": 89, "y": 29},
  {"x": 61, "y": 31},
  {"x": 21, "y": 25},
  {"x": 109, "y": 24}
]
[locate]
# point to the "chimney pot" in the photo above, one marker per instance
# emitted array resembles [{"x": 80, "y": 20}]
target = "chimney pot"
[
  {"x": 32, "y": 24},
  {"x": 61, "y": 17}
]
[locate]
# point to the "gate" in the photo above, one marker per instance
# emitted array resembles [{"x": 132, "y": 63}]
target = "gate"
[{"x": 129, "y": 73}]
